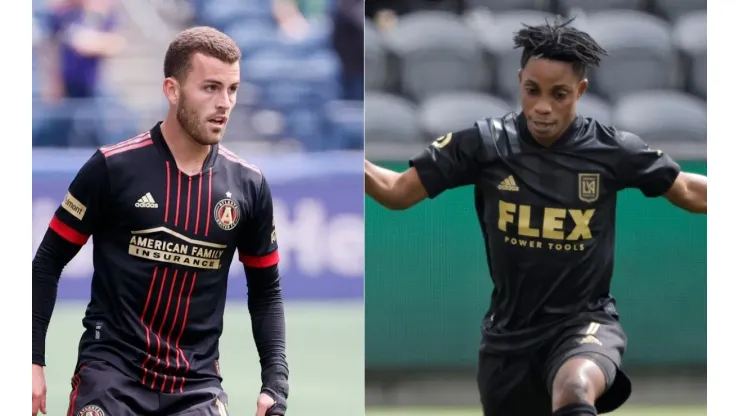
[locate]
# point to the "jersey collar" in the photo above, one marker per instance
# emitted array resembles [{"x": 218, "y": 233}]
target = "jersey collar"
[{"x": 165, "y": 151}]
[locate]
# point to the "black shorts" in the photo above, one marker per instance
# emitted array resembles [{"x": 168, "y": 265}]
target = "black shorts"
[
  {"x": 521, "y": 384},
  {"x": 99, "y": 389}
]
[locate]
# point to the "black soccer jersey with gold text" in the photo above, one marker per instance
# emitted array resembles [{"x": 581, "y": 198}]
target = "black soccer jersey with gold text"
[
  {"x": 163, "y": 242},
  {"x": 547, "y": 215}
]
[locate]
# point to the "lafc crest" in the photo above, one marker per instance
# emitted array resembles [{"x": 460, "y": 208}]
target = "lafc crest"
[
  {"x": 442, "y": 141},
  {"x": 588, "y": 187}
]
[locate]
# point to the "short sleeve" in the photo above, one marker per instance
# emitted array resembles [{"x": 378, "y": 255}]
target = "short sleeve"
[
  {"x": 79, "y": 214},
  {"x": 449, "y": 162},
  {"x": 649, "y": 170},
  {"x": 258, "y": 240}
]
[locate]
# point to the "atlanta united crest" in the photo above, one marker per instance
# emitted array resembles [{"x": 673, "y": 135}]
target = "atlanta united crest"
[
  {"x": 226, "y": 214},
  {"x": 588, "y": 187},
  {"x": 91, "y": 410}
]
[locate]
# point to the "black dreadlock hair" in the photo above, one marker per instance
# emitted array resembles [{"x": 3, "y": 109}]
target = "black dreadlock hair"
[{"x": 559, "y": 42}]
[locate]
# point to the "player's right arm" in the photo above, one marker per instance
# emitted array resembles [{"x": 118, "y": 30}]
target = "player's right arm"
[
  {"x": 449, "y": 162},
  {"x": 73, "y": 222}
]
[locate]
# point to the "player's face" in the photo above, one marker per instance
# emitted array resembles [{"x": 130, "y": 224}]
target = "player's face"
[
  {"x": 549, "y": 92},
  {"x": 207, "y": 97}
]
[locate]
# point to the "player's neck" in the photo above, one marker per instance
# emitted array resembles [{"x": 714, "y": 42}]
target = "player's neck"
[{"x": 188, "y": 154}]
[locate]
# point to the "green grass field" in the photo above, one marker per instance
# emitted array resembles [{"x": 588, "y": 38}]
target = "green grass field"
[
  {"x": 325, "y": 354},
  {"x": 628, "y": 411}
]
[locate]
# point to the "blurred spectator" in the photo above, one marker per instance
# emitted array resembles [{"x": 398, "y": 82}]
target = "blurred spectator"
[
  {"x": 385, "y": 13},
  {"x": 349, "y": 23},
  {"x": 293, "y": 16},
  {"x": 82, "y": 33},
  {"x": 79, "y": 36}
]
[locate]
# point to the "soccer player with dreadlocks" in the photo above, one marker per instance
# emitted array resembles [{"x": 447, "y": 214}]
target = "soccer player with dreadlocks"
[{"x": 545, "y": 184}]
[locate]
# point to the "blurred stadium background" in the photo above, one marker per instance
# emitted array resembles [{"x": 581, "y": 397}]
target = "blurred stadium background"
[
  {"x": 437, "y": 66},
  {"x": 97, "y": 80}
]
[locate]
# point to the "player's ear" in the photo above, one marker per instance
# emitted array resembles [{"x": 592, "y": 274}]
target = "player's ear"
[
  {"x": 582, "y": 87},
  {"x": 519, "y": 75},
  {"x": 171, "y": 90}
]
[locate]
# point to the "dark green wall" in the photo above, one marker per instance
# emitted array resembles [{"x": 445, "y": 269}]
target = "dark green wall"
[{"x": 427, "y": 283}]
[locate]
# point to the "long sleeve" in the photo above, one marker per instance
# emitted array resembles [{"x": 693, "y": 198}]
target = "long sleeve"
[
  {"x": 258, "y": 251},
  {"x": 76, "y": 218},
  {"x": 51, "y": 257},
  {"x": 265, "y": 302}
]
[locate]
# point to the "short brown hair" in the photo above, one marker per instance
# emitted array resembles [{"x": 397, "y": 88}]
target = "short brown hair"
[{"x": 202, "y": 39}]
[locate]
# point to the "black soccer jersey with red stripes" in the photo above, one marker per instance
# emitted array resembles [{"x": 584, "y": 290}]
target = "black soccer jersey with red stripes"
[{"x": 163, "y": 242}]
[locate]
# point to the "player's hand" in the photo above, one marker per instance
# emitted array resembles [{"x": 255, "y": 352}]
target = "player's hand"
[
  {"x": 265, "y": 403},
  {"x": 38, "y": 390}
]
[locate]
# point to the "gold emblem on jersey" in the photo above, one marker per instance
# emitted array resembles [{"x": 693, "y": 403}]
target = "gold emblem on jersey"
[
  {"x": 273, "y": 234},
  {"x": 517, "y": 221},
  {"x": 508, "y": 184},
  {"x": 590, "y": 332},
  {"x": 442, "y": 141},
  {"x": 91, "y": 410},
  {"x": 588, "y": 187},
  {"x": 158, "y": 244},
  {"x": 74, "y": 206},
  {"x": 227, "y": 214},
  {"x": 222, "y": 410}
]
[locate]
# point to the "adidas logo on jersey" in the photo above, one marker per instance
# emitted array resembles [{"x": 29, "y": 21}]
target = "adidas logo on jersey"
[
  {"x": 590, "y": 339},
  {"x": 146, "y": 201},
  {"x": 508, "y": 184}
]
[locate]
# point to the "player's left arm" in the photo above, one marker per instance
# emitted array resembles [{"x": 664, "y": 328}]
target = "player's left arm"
[
  {"x": 689, "y": 191},
  {"x": 656, "y": 174},
  {"x": 258, "y": 251}
]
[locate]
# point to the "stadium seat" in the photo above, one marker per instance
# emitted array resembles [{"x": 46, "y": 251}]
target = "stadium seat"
[
  {"x": 506, "y": 5},
  {"x": 240, "y": 125},
  {"x": 280, "y": 85},
  {"x": 674, "y": 9},
  {"x": 375, "y": 59},
  {"x": 254, "y": 37},
  {"x": 437, "y": 53},
  {"x": 456, "y": 111},
  {"x": 496, "y": 33},
  {"x": 222, "y": 13},
  {"x": 690, "y": 37},
  {"x": 590, "y": 105},
  {"x": 641, "y": 55},
  {"x": 451, "y": 6},
  {"x": 663, "y": 118},
  {"x": 112, "y": 119},
  {"x": 307, "y": 125},
  {"x": 567, "y": 7},
  {"x": 390, "y": 118},
  {"x": 346, "y": 124}
]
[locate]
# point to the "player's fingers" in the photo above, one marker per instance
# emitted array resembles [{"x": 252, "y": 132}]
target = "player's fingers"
[{"x": 43, "y": 405}]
